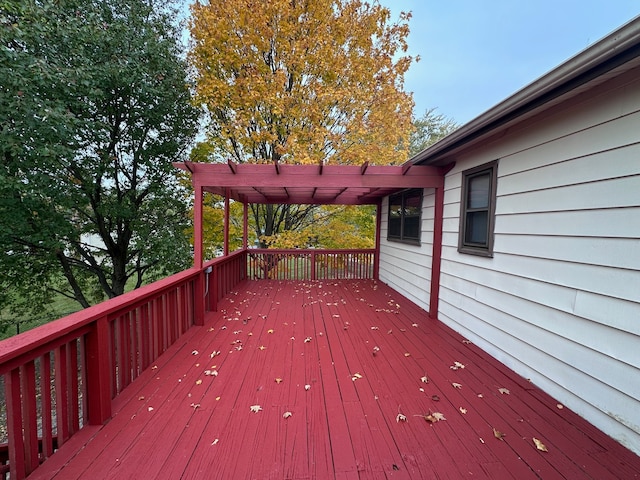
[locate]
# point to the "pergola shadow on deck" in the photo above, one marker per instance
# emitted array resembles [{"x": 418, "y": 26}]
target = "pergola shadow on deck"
[{"x": 349, "y": 359}]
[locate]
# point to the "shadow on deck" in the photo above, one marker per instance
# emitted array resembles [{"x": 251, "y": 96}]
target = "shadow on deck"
[{"x": 347, "y": 359}]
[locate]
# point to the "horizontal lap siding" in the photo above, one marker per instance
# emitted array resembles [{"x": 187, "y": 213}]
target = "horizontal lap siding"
[
  {"x": 560, "y": 300},
  {"x": 407, "y": 268}
]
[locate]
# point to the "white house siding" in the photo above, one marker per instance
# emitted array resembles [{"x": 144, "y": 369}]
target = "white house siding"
[
  {"x": 560, "y": 300},
  {"x": 407, "y": 268}
]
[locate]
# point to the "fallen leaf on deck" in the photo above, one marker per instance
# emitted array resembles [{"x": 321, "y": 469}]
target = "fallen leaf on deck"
[
  {"x": 198, "y": 382},
  {"x": 278, "y": 380},
  {"x": 195, "y": 352},
  {"x": 401, "y": 418},
  {"x": 195, "y": 405},
  {"x": 375, "y": 328},
  {"x": 504, "y": 391},
  {"x": 433, "y": 417},
  {"x": 255, "y": 408},
  {"x": 480, "y": 395},
  {"x": 211, "y": 373},
  {"x": 456, "y": 366},
  {"x": 150, "y": 409},
  {"x": 155, "y": 367},
  {"x": 407, "y": 354},
  {"x": 465, "y": 341},
  {"x": 270, "y": 330},
  {"x": 424, "y": 379},
  {"x": 376, "y": 349},
  {"x": 141, "y": 397},
  {"x": 498, "y": 434},
  {"x": 217, "y": 399},
  {"x": 307, "y": 340},
  {"x": 213, "y": 354},
  {"x": 261, "y": 347},
  {"x": 389, "y": 332},
  {"x": 456, "y": 385},
  {"x": 560, "y": 406},
  {"x": 286, "y": 414},
  {"x": 539, "y": 445},
  {"x": 355, "y": 376},
  {"x": 215, "y": 442},
  {"x": 307, "y": 387},
  {"x": 414, "y": 324},
  {"x": 463, "y": 410}
]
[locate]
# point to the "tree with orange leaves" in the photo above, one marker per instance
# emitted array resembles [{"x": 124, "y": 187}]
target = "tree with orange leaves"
[{"x": 302, "y": 81}]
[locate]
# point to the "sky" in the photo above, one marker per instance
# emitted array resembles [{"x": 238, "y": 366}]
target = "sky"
[{"x": 476, "y": 53}]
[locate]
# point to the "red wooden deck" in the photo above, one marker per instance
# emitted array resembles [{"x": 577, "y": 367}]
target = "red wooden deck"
[{"x": 308, "y": 348}]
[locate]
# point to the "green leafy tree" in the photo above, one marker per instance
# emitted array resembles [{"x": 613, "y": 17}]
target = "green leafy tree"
[
  {"x": 428, "y": 129},
  {"x": 94, "y": 108}
]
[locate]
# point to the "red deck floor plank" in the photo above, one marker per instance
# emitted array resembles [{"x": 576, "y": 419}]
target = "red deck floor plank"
[{"x": 320, "y": 334}]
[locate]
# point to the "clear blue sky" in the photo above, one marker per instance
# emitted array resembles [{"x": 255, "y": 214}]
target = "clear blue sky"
[{"x": 476, "y": 53}]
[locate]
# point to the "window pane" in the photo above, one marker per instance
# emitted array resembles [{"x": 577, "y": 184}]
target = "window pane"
[
  {"x": 412, "y": 228},
  {"x": 395, "y": 224},
  {"x": 395, "y": 207},
  {"x": 412, "y": 205},
  {"x": 476, "y": 231},
  {"x": 478, "y": 191}
]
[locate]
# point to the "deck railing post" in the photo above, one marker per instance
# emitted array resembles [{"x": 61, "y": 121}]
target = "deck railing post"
[
  {"x": 97, "y": 365},
  {"x": 198, "y": 299},
  {"x": 313, "y": 264}
]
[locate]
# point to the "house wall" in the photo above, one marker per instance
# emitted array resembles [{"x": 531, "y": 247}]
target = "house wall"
[
  {"x": 407, "y": 268},
  {"x": 559, "y": 302}
]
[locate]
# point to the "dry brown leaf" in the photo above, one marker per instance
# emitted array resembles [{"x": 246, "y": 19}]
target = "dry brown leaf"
[
  {"x": 424, "y": 379},
  {"x": 463, "y": 410},
  {"x": 198, "y": 382},
  {"x": 278, "y": 380},
  {"x": 407, "y": 354},
  {"x": 355, "y": 376},
  {"x": 261, "y": 347},
  {"x": 255, "y": 408},
  {"x": 434, "y": 417},
  {"x": 504, "y": 391},
  {"x": 270, "y": 330},
  {"x": 457, "y": 385},
  {"x": 539, "y": 445},
  {"x": 401, "y": 418},
  {"x": 286, "y": 414},
  {"x": 456, "y": 366},
  {"x": 195, "y": 352},
  {"x": 498, "y": 434},
  {"x": 307, "y": 387},
  {"x": 560, "y": 406},
  {"x": 215, "y": 442}
]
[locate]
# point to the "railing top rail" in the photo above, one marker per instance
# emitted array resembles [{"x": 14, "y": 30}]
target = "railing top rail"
[
  {"x": 310, "y": 250},
  {"x": 22, "y": 343}
]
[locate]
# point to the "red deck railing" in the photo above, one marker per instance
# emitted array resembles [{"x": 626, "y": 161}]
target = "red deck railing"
[
  {"x": 293, "y": 264},
  {"x": 63, "y": 375}
]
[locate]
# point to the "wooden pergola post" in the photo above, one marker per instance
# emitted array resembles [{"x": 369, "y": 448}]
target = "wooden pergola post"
[
  {"x": 245, "y": 226},
  {"x": 226, "y": 222}
]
